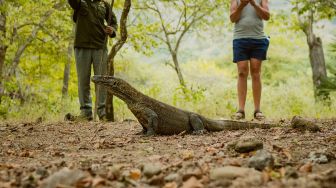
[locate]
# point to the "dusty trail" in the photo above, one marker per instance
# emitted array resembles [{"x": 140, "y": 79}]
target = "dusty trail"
[{"x": 111, "y": 155}]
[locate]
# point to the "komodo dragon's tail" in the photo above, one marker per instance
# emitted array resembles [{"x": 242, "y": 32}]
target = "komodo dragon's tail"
[{"x": 219, "y": 125}]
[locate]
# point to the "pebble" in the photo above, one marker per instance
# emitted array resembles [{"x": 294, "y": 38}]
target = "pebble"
[
  {"x": 262, "y": 159},
  {"x": 318, "y": 157},
  {"x": 150, "y": 170},
  {"x": 246, "y": 145},
  {"x": 231, "y": 172},
  {"x": 172, "y": 177},
  {"x": 192, "y": 172},
  {"x": 65, "y": 176}
]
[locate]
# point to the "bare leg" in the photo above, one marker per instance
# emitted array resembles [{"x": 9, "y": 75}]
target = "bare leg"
[
  {"x": 255, "y": 69},
  {"x": 243, "y": 71}
]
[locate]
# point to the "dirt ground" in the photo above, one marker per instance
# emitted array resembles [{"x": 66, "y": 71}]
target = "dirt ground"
[{"x": 91, "y": 154}]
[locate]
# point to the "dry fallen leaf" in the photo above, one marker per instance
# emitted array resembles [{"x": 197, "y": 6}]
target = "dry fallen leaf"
[
  {"x": 266, "y": 176},
  {"x": 135, "y": 174},
  {"x": 211, "y": 150},
  {"x": 282, "y": 172},
  {"x": 283, "y": 151},
  {"x": 306, "y": 168},
  {"x": 187, "y": 154}
]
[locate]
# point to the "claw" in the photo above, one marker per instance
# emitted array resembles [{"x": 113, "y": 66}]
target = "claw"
[
  {"x": 150, "y": 132},
  {"x": 199, "y": 132},
  {"x": 141, "y": 132}
]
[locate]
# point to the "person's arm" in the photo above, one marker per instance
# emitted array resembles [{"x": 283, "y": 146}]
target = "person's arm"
[
  {"x": 74, "y": 4},
  {"x": 236, "y": 9},
  {"x": 111, "y": 19},
  {"x": 262, "y": 9}
]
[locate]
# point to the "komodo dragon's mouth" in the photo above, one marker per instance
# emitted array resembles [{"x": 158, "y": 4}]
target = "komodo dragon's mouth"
[{"x": 115, "y": 85}]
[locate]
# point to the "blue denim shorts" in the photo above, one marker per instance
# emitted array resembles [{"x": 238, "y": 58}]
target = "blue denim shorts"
[{"x": 247, "y": 48}]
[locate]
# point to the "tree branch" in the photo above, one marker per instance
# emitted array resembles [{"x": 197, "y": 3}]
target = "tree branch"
[
  {"x": 123, "y": 32},
  {"x": 31, "y": 38}
]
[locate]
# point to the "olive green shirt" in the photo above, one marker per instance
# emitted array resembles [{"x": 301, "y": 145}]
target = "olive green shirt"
[
  {"x": 250, "y": 25},
  {"x": 90, "y": 17}
]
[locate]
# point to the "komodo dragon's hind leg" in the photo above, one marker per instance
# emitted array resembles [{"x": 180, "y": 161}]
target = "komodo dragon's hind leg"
[
  {"x": 146, "y": 117},
  {"x": 196, "y": 124}
]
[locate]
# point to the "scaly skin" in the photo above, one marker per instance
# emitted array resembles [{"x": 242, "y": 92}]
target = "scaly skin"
[{"x": 159, "y": 118}]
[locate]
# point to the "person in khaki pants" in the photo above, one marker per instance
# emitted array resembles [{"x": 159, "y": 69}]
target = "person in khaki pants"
[
  {"x": 250, "y": 46},
  {"x": 90, "y": 48}
]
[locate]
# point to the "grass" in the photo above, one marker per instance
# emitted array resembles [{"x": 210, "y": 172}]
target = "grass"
[{"x": 287, "y": 86}]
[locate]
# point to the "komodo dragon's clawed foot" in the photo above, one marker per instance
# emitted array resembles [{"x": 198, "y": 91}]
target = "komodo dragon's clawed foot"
[
  {"x": 196, "y": 124},
  {"x": 199, "y": 132},
  {"x": 150, "y": 132},
  {"x": 142, "y": 132}
]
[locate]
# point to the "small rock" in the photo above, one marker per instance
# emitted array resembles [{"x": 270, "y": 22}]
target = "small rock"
[
  {"x": 192, "y": 183},
  {"x": 221, "y": 154},
  {"x": 246, "y": 145},
  {"x": 172, "y": 177},
  {"x": 29, "y": 181},
  {"x": 304, "y": 124},
  {"x": 231, "y": 172},
  {"x": 170, "y": 185},
  {"x": 150, "y": 170},
  {"x": 114, "y": 172},
  {"x": 261, "y": 160},
  {"x": 65, "y": 177},
  {"x": 42, "y": 172},
  {"x": 156, "y": 180},
  {"x": 318, "y": 157},
  {"x": 192, "y": 171}
]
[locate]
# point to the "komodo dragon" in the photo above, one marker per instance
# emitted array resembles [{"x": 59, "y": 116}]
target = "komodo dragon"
[{"x": 159, "y": 118}]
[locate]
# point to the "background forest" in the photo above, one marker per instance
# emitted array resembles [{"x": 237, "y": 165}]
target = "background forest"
[{"x": 178, "y": 52}]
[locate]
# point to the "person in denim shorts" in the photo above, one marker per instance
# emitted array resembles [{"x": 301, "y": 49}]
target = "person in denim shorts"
[{"x": 250, "y": 46}]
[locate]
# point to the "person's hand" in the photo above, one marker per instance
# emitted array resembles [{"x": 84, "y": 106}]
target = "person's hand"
[
  {"x": 244, "y": 2},
  {"x": 253, "y": 3},
  {"x": 109, "y": 30}
]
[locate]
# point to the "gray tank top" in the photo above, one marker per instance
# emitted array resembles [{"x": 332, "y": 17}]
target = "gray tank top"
[{"x": 249, "y": 24}]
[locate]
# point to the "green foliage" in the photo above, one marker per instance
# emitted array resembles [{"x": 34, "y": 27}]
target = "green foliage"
[
  {"x": 35, "y": 89},
  {"x": 185, "y": 94}
]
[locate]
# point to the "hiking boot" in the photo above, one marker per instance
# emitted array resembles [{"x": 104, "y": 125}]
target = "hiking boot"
[{"x": 239, "y": 115}]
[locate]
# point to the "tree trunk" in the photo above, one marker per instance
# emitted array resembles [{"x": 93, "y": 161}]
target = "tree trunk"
[
  {"x": 66, "y": 75},
  {"x": 3, "y": 48},
  {"x": 109, "y": 98},
  {"x": 178, "y": 69},
  {"x": 317, "y": 62},
  {"x": 115, "y": 49},
  {"x": 316, "y": 55}
]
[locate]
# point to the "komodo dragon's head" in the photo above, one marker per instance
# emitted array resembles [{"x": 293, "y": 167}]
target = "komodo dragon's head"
[{"x": 117, "y": 87}]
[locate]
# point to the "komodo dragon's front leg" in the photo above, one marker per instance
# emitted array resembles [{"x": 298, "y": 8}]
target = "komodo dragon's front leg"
[
  {"x": 146, "y": 117},
  {"x": 196, "y": 124}
]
